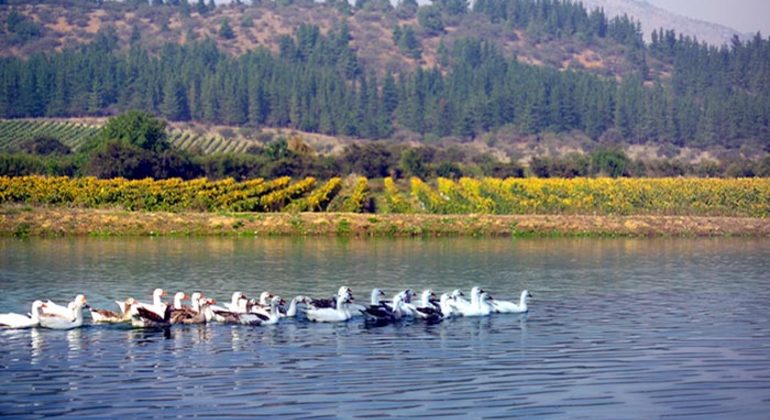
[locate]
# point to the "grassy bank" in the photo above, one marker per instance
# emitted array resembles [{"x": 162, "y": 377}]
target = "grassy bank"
[{"x": 24, "y": 221}]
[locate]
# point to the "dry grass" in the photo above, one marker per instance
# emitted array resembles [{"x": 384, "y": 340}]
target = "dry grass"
[{"x": 17, "y": 221}]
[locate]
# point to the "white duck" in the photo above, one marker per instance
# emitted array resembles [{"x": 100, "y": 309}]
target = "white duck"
[
  {"x": 74, "y": 320},
  {"x": 341, "y": 313},
  {"x": 52, "y": 308},
  {"x": 13, "y": 320},
  {"x": 506, "y": 307}
]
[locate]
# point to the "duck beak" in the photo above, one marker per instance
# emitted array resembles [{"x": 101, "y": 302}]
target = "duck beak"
[{"x": 529, "y": 294}]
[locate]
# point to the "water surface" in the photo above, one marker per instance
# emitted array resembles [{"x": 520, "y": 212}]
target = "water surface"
[{"x": 617, "y": 329}]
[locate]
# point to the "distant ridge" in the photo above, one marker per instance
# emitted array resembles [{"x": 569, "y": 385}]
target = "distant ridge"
[{"x": 653, "y": 17}]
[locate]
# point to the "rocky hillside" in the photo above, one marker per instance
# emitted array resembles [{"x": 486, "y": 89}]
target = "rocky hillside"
[
  {"x": 59, "y": 25},
  {"x": 652, "y": 17}
]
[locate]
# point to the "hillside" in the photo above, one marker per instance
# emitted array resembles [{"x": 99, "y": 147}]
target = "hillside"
[
  {"x": 70, "y": 23},
  {"x": 653, "y": 18},
  {"x": 520, "y": 77}
]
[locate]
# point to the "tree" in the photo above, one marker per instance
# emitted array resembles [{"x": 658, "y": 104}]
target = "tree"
[
  {"x": 225, "y": 30},
  {"x": 138, "y": 129},
  {"x": 429, "y": 18}
]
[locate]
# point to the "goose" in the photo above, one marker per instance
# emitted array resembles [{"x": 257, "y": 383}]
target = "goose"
[
  {"x": 483, "y": 306},
  {"x": 292, "y": 311},
  {"x": 340, "y": 314},
  {"x": 427, "y": 310},
  {"x": 408, "y": 309},
  {"x": 262, "y": 306},
  {"x": 184, "y": 312},
  {"x": 198, "y": 314},
  {"x": 74, "y": 320},
  {"x": 506, "y": 307},
  {"x": 331, "y": 303},
  {"x": 460, "y": 303},
  {"x": 104, "y": 316},
  {"x": 142, "y": 317},
  {"x": 13, "y": 320},
  {"x": 157, "y": 305},
  {"x": 448, "y": 307},
  {"x": 251, "y": 318},
  {"x": 156, "y": 314},
  {"x": 178, "y": 298},
  {"x": 52, "y": 308},
  {"x": 378, "y": 311},
  {"x": 237, "y": 302}
]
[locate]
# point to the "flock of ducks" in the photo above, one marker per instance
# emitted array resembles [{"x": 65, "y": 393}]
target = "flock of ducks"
[{"x": 267, "y": 310}]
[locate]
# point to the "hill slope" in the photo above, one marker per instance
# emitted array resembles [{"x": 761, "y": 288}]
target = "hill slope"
[{"x": 652, "y": 17}]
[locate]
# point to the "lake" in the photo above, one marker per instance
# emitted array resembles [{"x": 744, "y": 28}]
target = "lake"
[{"x": 617, "y": 328}]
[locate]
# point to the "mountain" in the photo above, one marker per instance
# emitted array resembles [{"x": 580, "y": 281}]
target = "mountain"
[{"x": 652, "y": 17}]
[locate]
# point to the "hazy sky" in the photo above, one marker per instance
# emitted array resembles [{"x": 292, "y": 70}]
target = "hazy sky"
[{"x": 742, "y": 15}]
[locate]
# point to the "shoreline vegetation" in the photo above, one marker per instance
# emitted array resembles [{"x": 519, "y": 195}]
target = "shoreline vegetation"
[{"x": 26, "y": 221}]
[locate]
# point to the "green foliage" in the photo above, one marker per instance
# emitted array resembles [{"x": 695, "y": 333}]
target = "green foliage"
[
  {"x": 430, "y": 19},
  {"x": 44, "y": 145},
  {"x": 137, "y": 129},
  {"x": 20, "y": 28},
  {"x": 225, "y": 30},
  {"x": 612, "y": 163}
]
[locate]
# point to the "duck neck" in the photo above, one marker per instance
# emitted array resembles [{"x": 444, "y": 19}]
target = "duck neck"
[
  {"x": 196, "y": 306},
  {"x": 375, "y": 299},
  {"x": 523, "y": 302}
]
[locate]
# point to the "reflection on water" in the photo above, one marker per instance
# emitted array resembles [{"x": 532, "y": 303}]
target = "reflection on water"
[{"x": 617, "y": 329}]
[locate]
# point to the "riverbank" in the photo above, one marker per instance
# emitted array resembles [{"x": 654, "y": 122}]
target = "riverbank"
[{"x": 23, "y": 221}]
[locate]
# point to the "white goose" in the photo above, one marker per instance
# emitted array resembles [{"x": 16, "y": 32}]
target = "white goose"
[
  {"x": 448, "y": 307},
  {"x": 341, "y": 313},
  {"x": 13, "y": 320},
  {"x": 74, "y": 320},
  {"x": 506, "y": 307},
  {"x": 52, "y": 308},
  {"x": 483, "y": 306},
  {"x": 292, "y": 311},
  {"x": 178, "y": 298},
  {"x": 460, "y": 303}
]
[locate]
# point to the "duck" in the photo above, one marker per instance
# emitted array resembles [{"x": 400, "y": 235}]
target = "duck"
[
  {"x": 275, "y": 313},
  {"x": 506, "y": 307},
  {"x": 17, "y": 321},
  {"x": 73, "y": 320},
  {"x": 341, "y": 313},
  {"x": 52, "y": 308},
  {"x": 105, "y": 316}
]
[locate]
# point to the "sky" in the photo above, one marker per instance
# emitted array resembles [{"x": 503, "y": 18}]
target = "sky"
[{"x": 748, "y": 16}]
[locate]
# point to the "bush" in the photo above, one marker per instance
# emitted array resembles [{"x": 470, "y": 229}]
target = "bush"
[{"x": 45, "y": 145}]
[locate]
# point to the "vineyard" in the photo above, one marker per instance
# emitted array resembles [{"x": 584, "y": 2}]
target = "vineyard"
[
  {"x": 74, "y": 134},
  {"x": 15, "y": 132},
  {"x": 748, "y": 197}
]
